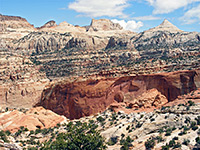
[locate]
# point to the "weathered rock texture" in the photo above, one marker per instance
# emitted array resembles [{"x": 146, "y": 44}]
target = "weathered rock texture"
[
  {"x": 33, "y": 119},
  {"x": 83, "y": 98},
  {"x": 21, "y": 83},
  {"x": 103, "y": 24}
]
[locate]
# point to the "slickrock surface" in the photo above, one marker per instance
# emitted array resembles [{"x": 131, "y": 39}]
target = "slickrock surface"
[
  {"x": 83, "y": 98},
  {"x": 32, "y": 119}
]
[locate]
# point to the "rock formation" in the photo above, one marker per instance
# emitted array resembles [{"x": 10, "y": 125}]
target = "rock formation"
[
  {"x": 35, "y": 118},
  {"x": 83, "y": 98},
  {"x": 21, "y": 83},
  {"x": 103, "y": 25},
  {"x": 49, "y": 24}
]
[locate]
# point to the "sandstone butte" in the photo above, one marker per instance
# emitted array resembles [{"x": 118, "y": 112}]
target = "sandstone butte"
[
  {"x": 32, "y": 119},
  {"x": 83, "y": 98}
]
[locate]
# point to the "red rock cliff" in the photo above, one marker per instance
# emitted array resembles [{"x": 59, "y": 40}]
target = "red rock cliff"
[{"x": 83, "y": 98}]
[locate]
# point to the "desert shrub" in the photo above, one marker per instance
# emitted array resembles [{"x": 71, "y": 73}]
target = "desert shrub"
[
  {"x": 177, "y": 145},
  {"x": 150, "y": 143},
  {"x": 138, "y": 125},
  {"x": 171, "y": 143},
  {"x": 191, "y": 103},
  {"x": 182, "y": 133},
  {"x": 187, "y": 120},
  {"x": 3, "y": 136},
  {"x": 159, "y": 139},
  {"x": 7, "y": 132},
  {"x": 165, "y": 147},
  {"x": 38, "y": 131},
  {"x": 192, "y": 124},
  {"x": 114, "y": 116},
  {"x": 18, "y": 133},
  {"x": 198, "y": 132},
  {"x": 186, "y": 142},
  {"x": 194, "y": 128},
  {"x": 126, "y": 143},
  {"x": 112, "y": 141},
  {"x": 152, "y": 119},
  {"x": 168, "y": 132},
  {"x": 77, "y": 137},
  {"x": 128, "y": 127},
  {"x": 198, "y": 120},
  {"x": 31, "y": 132},
  {"x": 197, "y": 139},
  {"x": 100, "y": 119},
  {"x": 175, "y": 138}
]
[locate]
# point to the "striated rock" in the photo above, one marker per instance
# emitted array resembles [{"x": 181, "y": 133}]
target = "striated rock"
[
  {"x": 103, "y": 25},
  {"x": 83, "y": 98},
  {"x": 41, "y": 41},
  {"x": 21, "y": 83},
  {"x": 166, "y": 26},
  {"x": 34, "y": 118},
  {"x": 115, "y": 42},
  {"x": 14, "y": 22}
]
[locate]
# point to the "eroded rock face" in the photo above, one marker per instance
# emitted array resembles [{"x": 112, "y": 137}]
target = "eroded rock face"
[
  {"x": 151, "y": 98},
  {"x": 83, "y": 98},
  {"x": 34, "y": 118},
  {"x": 103, "y": 25},
  {"x": 77, "y": 99},
  {"x": 21, "y": 83}
]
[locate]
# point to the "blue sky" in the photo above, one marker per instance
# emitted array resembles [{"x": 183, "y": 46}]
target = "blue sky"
[{"x": 135, "y": 15}]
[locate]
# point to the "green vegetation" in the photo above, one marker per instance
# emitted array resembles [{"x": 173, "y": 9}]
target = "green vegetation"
[
  {"x": 78, "y": 136},
  {"x": 3, "y": 136},
  {"x": 126, "y": 143},
  {"x": 150, "y": 143},
  {"x": 112, "y": 141}
]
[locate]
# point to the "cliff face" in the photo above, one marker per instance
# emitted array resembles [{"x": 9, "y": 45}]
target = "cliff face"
[
  {"x": 21, "y": 83},
  {"x": 83, "y": 98}
]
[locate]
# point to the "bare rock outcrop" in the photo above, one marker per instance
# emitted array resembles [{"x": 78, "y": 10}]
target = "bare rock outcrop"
[
  {"x": 49, "y": 24},
  {"x": 41, "y": 41},
  {"x": 151, "y": 98},
  {"x": 21, "y": 83},
  {"x": 103, "y": 25},
  {"x": 83, "y": 98},
  {"x": 32, "y": 119}
]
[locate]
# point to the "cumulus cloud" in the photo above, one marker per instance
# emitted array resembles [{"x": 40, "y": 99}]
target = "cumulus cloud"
[
  {"x": 98, "y": 8},
  {"x": 192, "y": 15},
  {"x": 147, "y": 18},
  {"x": 129, "y": 25},
  {"x": 167, "y": 6}
]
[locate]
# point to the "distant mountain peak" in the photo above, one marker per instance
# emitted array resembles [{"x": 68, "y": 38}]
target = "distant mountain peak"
[
  {"x": 166, "y": 26},
  {"x": 103, "y": 25}
]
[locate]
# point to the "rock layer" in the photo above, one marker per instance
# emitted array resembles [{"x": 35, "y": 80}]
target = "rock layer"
[{"x": 83, "y": 98}]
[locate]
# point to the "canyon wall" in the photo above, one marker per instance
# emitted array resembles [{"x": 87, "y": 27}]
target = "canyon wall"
[{"x": 84, "y": 98}]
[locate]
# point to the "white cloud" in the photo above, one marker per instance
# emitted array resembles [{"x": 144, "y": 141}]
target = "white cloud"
[
  {"x": 98, "y": 8},
  {"x": 192, "y": 15},
  {"x": 147, "y": 18},
  {"x": 167, "y": 6},
  {"x": 129, "y": 25}
]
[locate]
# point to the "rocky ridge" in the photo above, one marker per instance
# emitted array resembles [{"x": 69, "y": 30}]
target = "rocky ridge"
[{"x": 105, "y": 49}]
